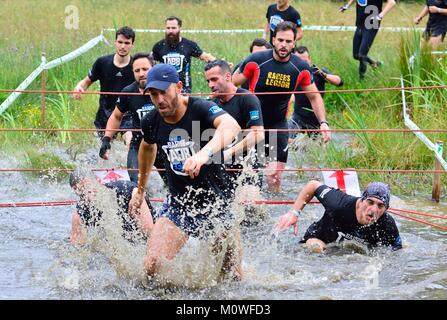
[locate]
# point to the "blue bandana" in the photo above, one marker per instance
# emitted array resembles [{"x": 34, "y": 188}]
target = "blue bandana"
[{"x": 378, "y": 190}]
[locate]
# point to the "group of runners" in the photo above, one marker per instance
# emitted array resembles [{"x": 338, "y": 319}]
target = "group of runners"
[{"x": 201, "y": 147}]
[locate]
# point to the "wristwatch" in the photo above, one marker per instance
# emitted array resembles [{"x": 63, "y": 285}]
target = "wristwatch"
[
  {"x": 209, "y": 152},
  {"x": 324, "y": 121},
  {"x": 297, "y": 213}
]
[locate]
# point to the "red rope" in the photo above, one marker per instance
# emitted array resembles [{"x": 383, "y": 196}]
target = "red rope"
[
  {"x": 419, "y": 213},
  {"x": 243, "y": 130},
  {"x": 420, "y": 221},
  {"x": 259, "y": 170},
  {"x": 257, "y": 93}
]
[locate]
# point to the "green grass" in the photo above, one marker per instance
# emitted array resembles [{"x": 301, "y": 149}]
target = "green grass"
[{"x": 27, "y": 29}]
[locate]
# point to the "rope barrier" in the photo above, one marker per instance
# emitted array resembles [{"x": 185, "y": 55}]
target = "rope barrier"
[
  {"x": 242, "y": 130},
  {"x": 227, "y": 169},
  {"x": 270, "y": 202},
  {"x": 419, "y": 221},
  {"x": 241, "y": 93}
]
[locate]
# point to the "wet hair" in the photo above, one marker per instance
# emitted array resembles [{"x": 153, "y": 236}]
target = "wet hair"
[
  {"x": 77, "y": 176},
  {"x": 224, "y": 67},
  {"x": 285, "y": 26},
  {"x": 260, "y": 42},
  {"x": 142, "y": 55},
  {"x": 170, "y": 18},
  {"x": 301, "y": 49},
  {"x": 127, "y": 32}
]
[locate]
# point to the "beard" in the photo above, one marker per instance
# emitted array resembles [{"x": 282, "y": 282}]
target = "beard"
[
  {"x": 279, "y": 53},
  {"x": 172, "y": 110},
  {"x": 173, "y": 39},
  {"x": 142, "y": 84}
]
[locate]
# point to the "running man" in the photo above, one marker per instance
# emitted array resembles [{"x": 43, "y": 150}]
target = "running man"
[
  {"x": 138, "y": 106},
  {"x": 436, "y": 28},
  {"x": 114, "y": 72},
  {"x": 368, "y": 19},
  {"x": 87, "y": 215},
  {"x": 279, "y": 70},
  {"x": 279, "y": 12},
  {"x": 199, "y": 192},
  {"x": 177, "y": 51},
  {"x": 363, "y": 219},
  {"x": 245, "y": 108},
  {"x": 303, "y": 116}
]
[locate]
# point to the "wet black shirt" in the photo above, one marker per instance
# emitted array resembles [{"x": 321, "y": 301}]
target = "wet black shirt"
[
  {"x": 180, "y": 141},
  {"x": 178, "y": 56},
  {"x": 339, "y": 222},
  {"x": 437, "y": 18},
  {"x": 111, "y": 79},
  {"x": 365, "y": 10},
  {"x": 303, "y": 108},
  {"x": 137, "y": 105},
  {"x": 274, "y": 17},
  {"x": 265, "y": 74}
]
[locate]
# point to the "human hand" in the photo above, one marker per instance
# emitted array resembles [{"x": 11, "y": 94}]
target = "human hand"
[
  {"x": 193, "y": 164},
  {"x": 321, "y": 72},
  {"x": 326, "y": 134},
  {"x": 417, "y": 19},
  {"x": 105, "y": 147},
  {"x": 80, "y": 89},
  {"x": 135, "y": 203},
  {"x": 287, "y": 220},
  {"x": 343, "y": 8}
]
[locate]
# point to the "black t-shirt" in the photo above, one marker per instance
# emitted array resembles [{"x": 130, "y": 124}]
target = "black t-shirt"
[
  {"x": 91, "y": 215},
  {"x": 274, "y": 17},
  {"x": 137, "y": 105},
  {"x": 437, "y": 18},
  {"x": 303, "y": 108},
  {"x": 246, "y": 110},
  {"x": 178, "y": 56},
  {"x": 111, "y": 79},
  {"x": 180, "y": 141},
  {"x": 364, "y": 10},
  {"x": 339, "y": 222},
  {"x": 265, "y": 74}
]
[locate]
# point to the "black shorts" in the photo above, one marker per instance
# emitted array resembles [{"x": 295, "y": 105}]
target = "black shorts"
[
  {"x": 435, "y": 30},
  {"x": 276, "y": 144}
]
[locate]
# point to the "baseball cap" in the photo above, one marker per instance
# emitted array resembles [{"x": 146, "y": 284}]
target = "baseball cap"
[
  {"x": 378, "y": 190},
  {"x": 161, "y": 76}
]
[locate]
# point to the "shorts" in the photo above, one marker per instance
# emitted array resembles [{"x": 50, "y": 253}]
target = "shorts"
[
  {"x": 200, "y": 226},
  {"x": 435, "y": 30},
  {"x": 276, "y": 144}
]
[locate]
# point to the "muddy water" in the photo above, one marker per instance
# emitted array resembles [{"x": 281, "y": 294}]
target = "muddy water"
[{"x": 37, "y": 262}]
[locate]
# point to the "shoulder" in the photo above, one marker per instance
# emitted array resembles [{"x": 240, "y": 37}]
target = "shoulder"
[
  {"x": 106, "y": 59},
  {"x": 159, "y": 44},
  {"x": 247, "y": 96},
  {"x": 293, "y": 10},
  {"x": 133, "y": 87},
  {"x": 271, "y": 7},
  {"x": 261, "y": 56},
  {"x": 198, "y": 103},
  {"x": 150, "y": 118},
  {"x": 189, "y": 42},
  {"x": 299, "y": 63}
]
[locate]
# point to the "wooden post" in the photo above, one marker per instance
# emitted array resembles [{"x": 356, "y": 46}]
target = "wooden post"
[
  {"x": 436, "y": 193},
  {"x": 43, "y": 85}
]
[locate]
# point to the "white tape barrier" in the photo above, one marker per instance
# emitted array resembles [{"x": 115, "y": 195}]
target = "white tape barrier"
[
  {"x": 411, "y": 125},
  {"x": 309, "y": 28},
  {"x": 48, "y": 65}
]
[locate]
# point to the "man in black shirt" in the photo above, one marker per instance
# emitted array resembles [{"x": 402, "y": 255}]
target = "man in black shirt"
[
  {"x": 177, "y": 51},
  {"x": 199, "y": 191},
  {"x": 87, "y": 213},
  {"x": 138, "y": 106},
  {"x": 277, "y": 71},
  {"x": 303, "y": 116},
  {"x": 279, "y": 12},
  {"x": 436, "y": 28},
  {"x": 245, "y": 108},
  {"x": 368, "y": 19},
  {"x": 361, "y": 219},
  {"x": 114, "y": 72}
]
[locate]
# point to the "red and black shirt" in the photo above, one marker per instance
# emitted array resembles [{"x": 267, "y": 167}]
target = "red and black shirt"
[{"x": 266, "y": 74}]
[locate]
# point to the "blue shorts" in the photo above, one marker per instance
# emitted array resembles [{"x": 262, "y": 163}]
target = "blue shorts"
[{"x": 200, "y": 225}]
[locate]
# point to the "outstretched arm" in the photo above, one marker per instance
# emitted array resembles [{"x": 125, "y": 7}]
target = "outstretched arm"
[
  {"x": 291, "y": 217},
  {"x": 81, "y": 87},
  {"x": 389, "y": 5}
]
